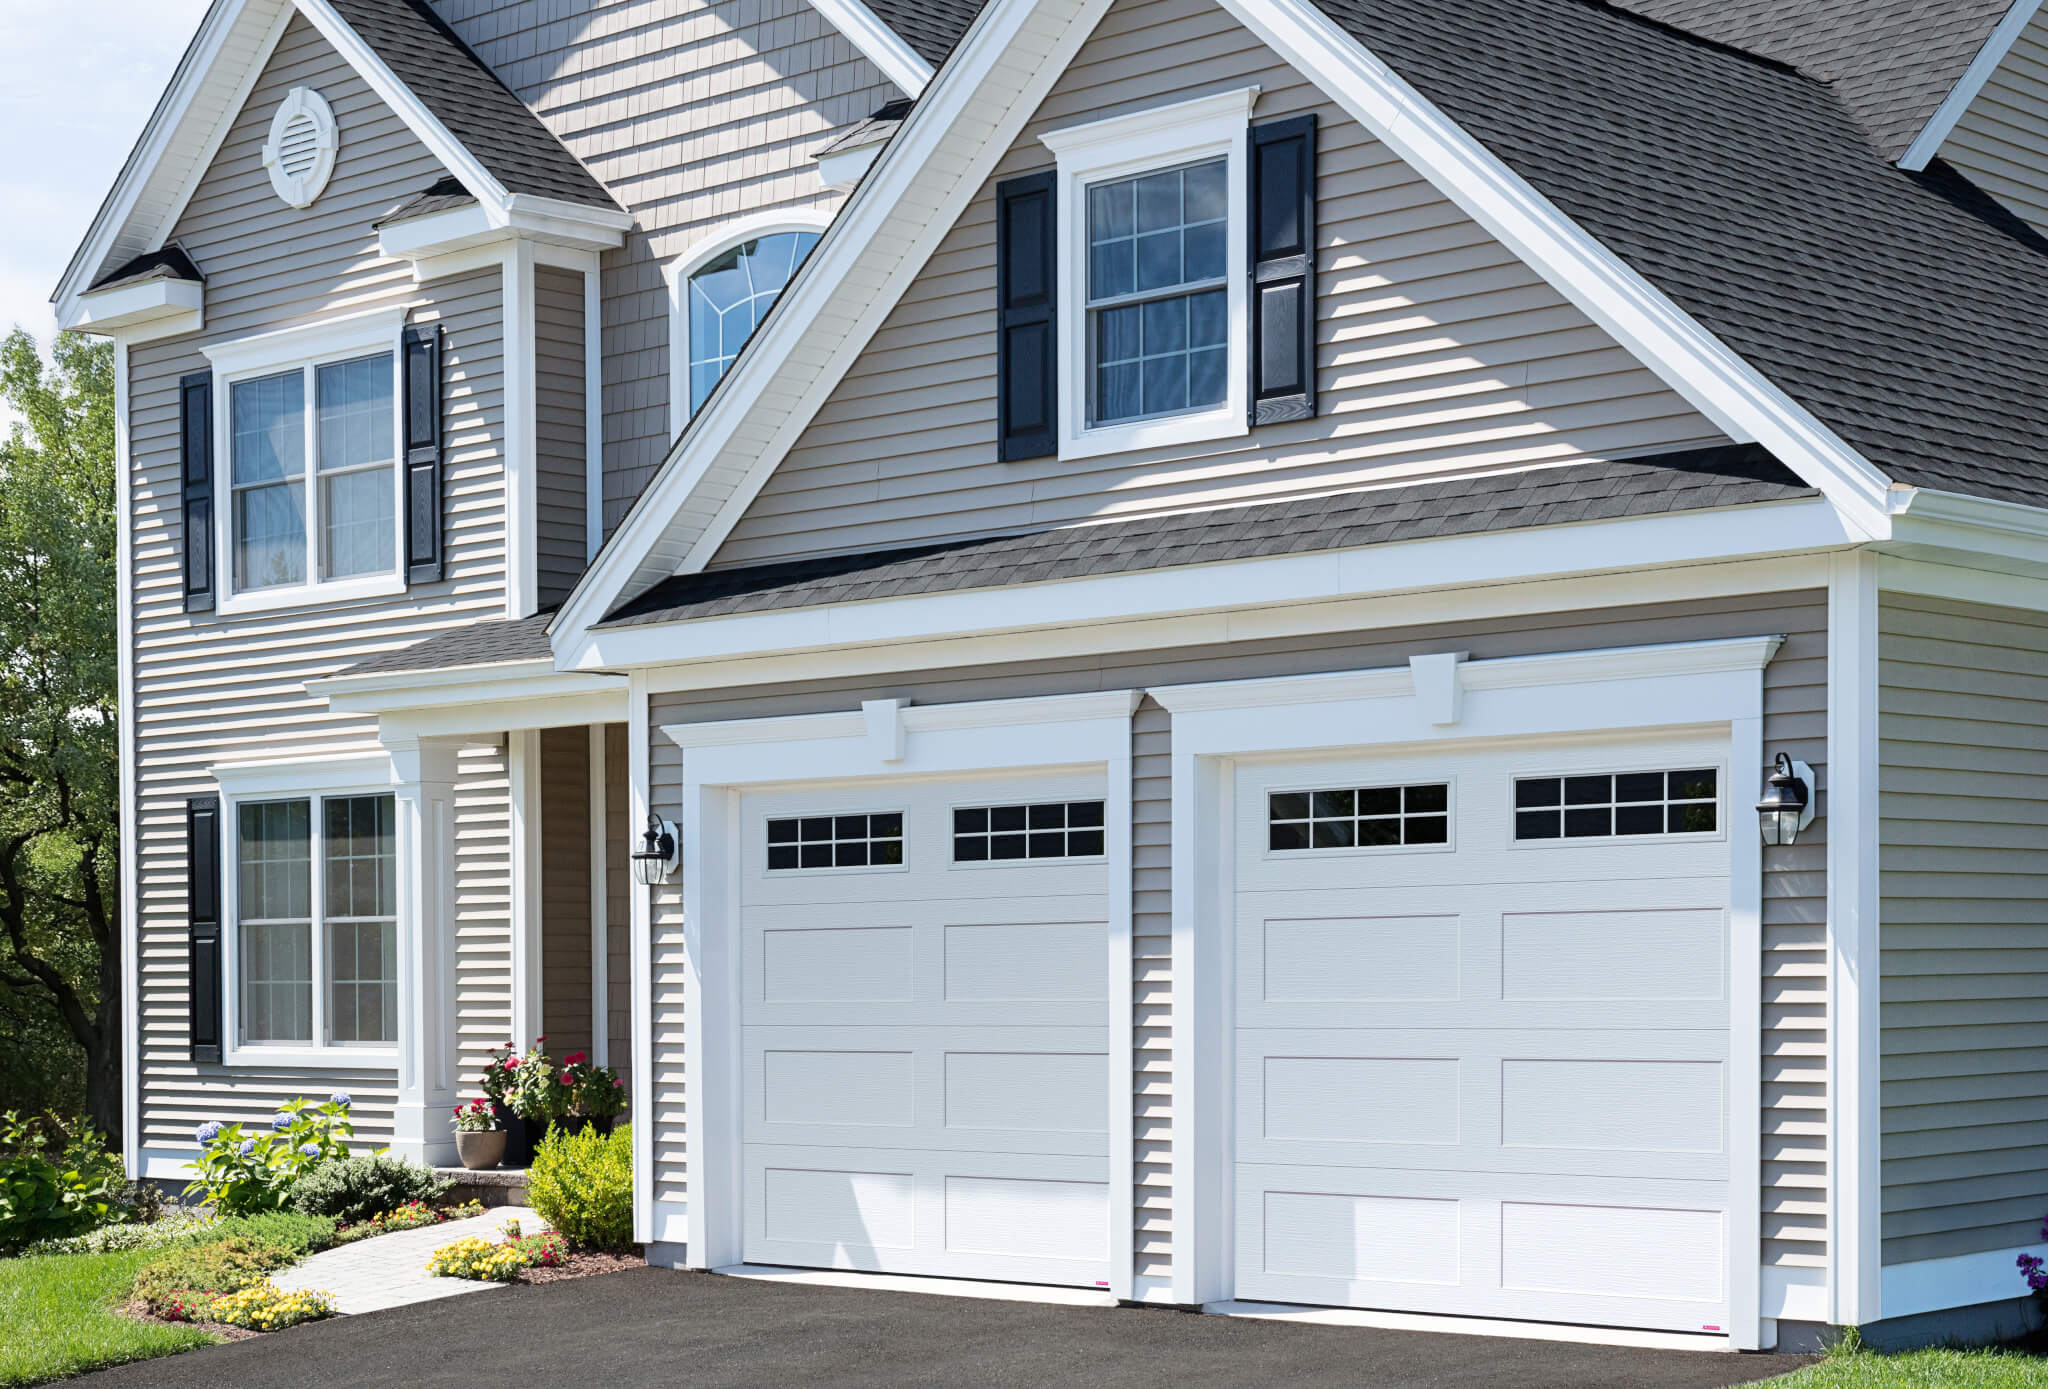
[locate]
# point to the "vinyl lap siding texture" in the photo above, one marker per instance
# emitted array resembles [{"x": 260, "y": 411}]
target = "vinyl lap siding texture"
[
  {"x": 666, "y": 983},
  {"x": 2001, "y": 143},
  {"x": 1794, "y": 1040},
  {"x": 210, "y": 688},
  {"x": 692, "y": 114},
  {"x": 562, "y": 488},
  {"x": 1436, "y": 350},
  {"x": 1963, "y": 858},
  {"x": 565, "y": 944},
  {"x": 618, "y": 875},
  {"x": 483, "y": 909}
]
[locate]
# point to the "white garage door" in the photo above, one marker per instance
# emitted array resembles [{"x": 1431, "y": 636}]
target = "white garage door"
[
  {"x": 1482, "y": 1033},
  {"x": 926, "y": 1028}
]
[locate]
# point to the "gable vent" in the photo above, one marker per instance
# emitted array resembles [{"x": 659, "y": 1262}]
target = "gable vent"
[{"x": 302, "y": 146}]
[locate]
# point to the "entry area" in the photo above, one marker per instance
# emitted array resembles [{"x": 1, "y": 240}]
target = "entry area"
[
  {"x": 1481, "y": 1030},
  {"x": 925, "y": 1028}
]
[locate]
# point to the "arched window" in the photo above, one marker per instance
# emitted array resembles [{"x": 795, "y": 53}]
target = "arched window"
[{"x": 725, "y": 297}]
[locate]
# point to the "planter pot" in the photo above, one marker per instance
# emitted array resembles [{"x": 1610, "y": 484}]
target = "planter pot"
[
  {"x": 480, "y": 1151},
  {"x": 577, "y": 1123},
  {"x": 520, "y": 1136}
]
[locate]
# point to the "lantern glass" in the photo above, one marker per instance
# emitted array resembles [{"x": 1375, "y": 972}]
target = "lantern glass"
[
  {"x": 1782, "y": 812},
  {"x": 656, "y": 853}
]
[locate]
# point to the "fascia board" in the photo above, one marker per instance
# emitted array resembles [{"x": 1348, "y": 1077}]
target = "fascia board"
[
  {"x": 138, "y": 305},
  {"x": 1974, "y": 532},
  {"x": 1964, "y": 93},
  {"x": 814, "y": 323},
  {"x": 506, "y": 682},
  {"x": 1625, "y": 546},
  {"x": 1692, "y": 361},
  {"x": 878, "y": 43}
]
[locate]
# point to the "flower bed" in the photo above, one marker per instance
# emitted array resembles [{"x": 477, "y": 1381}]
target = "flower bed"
[{"x": 413, "y": 1215}]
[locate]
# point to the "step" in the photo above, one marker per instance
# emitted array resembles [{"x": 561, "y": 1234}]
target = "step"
[{"x": 496, "y": 1186}]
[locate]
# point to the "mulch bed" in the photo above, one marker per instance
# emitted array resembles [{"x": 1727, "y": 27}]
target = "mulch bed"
[
  {"x": 582, "y": 1264},
  {"x": 138, "y": 1311}
]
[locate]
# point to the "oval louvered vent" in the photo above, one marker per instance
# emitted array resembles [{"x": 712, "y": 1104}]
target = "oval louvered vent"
[{"x": 302, "y": 146}]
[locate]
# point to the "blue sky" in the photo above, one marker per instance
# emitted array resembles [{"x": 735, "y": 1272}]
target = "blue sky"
[{"x": 77, "y": 83}]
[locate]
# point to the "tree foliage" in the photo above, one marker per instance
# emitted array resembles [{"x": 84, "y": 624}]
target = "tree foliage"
[{"x": 60, "y": 965}]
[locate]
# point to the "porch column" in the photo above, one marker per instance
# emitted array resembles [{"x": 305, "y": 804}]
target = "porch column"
[{"x": 422, "y": 1127}]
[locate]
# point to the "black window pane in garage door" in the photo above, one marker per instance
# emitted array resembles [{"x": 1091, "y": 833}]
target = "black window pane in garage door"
[
  {"x": 1358, "y": 817},
  {"x": 1047, "y": 829},
  {"x": 871, "y": 840},
  {"x": 1617, "y": 805}
]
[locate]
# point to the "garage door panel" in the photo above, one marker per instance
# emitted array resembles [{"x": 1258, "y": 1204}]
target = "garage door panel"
[{"x": 1039, "y": 1218}]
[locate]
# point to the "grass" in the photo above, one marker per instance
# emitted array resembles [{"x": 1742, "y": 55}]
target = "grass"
[
  {"x": 1853, "y": 1367},
  {"x": 57, "y": 1317}
]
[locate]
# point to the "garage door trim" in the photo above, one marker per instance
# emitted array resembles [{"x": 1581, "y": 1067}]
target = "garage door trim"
[
  {"x": 886, "y": 740},
  {"x": 1439, "y": 698}
]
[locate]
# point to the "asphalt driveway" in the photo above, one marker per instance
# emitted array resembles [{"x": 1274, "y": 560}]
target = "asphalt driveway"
[{"x": 660, "y": 1326}]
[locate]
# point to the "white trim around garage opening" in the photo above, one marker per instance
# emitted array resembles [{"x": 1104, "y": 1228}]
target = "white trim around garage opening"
[
  {"x": 884, "y": 740},
  {"x": 1689, "y": 684}
]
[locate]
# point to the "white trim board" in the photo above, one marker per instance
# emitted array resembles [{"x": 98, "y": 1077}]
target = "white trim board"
[
  {"x": 1961, "y": 1280},
  {"x": 723, "y": 759},
  {"x": 1680, "y": 685},
  {"x": 889, "y": 226},
  {"x": 878, "y": 43},
  {"x": 1963, "y": 94}
]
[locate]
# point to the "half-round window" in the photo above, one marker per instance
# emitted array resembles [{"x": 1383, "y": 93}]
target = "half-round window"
[
  {"x": 302, "y": 145},
  {"x": 732, "y": 293}
]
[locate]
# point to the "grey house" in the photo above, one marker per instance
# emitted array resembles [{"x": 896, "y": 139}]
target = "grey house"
[{"x": 1127, "y": 645}]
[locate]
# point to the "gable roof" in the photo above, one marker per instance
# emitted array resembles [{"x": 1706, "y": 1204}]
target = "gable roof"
[
  {"x": 171, "y": 263},
  {"x": 1691, "y": 480},
  {"x": 482, "y": 132}
]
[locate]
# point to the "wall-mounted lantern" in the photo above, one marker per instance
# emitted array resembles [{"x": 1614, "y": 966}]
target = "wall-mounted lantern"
[
  {"x": 659, "y": 849},
  {"x": 1787, "y": 806}
]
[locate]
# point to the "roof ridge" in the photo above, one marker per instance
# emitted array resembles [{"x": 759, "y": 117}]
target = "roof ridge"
[{"x": 1695, "y": 37}]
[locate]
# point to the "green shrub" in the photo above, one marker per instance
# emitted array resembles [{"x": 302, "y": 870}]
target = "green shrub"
[
  {"x": 299, "y": 1234},
  {"x": 177, "y": 1226},
  {"x": 354, "y": 1189},
  {"x": 244, "y": 1170},
  {"x": 53, "y": 1186},
  {"x": 180, "y": 1276},
  {"x": 582, "y": 1184}
]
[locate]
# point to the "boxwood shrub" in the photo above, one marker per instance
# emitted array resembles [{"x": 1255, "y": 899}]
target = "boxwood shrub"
[
  {"x": 353, "y": 1189},
  {"x": 582, "y": 1184}
]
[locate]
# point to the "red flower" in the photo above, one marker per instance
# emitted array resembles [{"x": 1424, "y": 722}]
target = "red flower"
[
  {"x": 574, "y": 1057},
  {"x": 565, "y": 1080},
  {"x": 511, "y": 1063}
]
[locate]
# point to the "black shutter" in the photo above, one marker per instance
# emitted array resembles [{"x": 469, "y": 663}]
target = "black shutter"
[
  {"x": 1283, "y": 254},
  {"x": 195, "y": 461},
  {"x": 1027, "y": 362},
  {"x": 202, "y": 920},
  {"x": 422, "y": 415}
]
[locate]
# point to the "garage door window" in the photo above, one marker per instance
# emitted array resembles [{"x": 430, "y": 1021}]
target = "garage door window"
[
  {"x": 1358, "y": 817},
  {"x": 1608, "y": 805},
  {"x": 1007, "y": 833},
  {"x": 872, "y": 840}
]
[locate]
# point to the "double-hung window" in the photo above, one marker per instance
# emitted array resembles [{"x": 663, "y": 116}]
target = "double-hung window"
[
  {"x": 310, "y": 440},
  {"x": 316, "y": 921},
  {"x": 1151, "y": 247}
]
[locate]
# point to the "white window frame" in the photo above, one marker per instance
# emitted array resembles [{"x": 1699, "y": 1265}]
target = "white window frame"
[
  {"x": 1163, "y": 137},
  {"x": 304, "y": 349},
  {"x": 315, "y": 781},
  {"x": 677, "y": 274}
]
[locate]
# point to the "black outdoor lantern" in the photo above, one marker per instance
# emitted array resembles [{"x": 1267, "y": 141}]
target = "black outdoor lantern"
[
  {"x": 655, "y": 859},
  {"x": 1787, "y": 804}
]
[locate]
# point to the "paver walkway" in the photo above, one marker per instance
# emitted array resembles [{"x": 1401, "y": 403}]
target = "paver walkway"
[{"x": 391, "y": 1270}]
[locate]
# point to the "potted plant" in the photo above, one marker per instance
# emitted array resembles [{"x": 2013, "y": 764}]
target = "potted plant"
[
  {"x": 596, "y": 1094},
  {"x": 527, "y": 1093},
  {"x": 479, "y": 1142}
]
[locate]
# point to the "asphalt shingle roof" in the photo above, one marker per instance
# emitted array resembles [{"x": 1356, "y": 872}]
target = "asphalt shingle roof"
[
  {"x": 931, "y": 27},
  {"x": 171, "y": 263},
  {"x": 442, "y": 195},
  {"x": 1731, "y": 475},
  {"x": 478, "y": 644},
  {"x": 463, "y": 93}
]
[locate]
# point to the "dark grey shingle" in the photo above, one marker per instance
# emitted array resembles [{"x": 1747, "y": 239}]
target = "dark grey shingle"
[
  {"x": 1731, "y": 475},
  {"x": 478, "y": 644},
  {"x": 442, "y": 195},
  {"x": 171, "y": 263}
]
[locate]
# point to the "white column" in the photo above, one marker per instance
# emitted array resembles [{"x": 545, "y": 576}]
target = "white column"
[
  {"x": 1855, "y": 1182},
  {"x": 600, "y": 906},
  {"x": 421, "y": 1125}
]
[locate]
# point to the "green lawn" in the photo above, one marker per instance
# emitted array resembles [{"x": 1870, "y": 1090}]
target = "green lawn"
[
  {"x": 1922, "y": 1369},
  {"x": 57, "y": 1317}
]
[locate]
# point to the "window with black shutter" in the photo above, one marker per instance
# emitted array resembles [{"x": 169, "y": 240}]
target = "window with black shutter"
[
  {"x": 422, "y": 423},
  {"x": 1282, "y": 206},
  {"x": 195, "y": 463},
  {"x": 1027, "y": 357},
  {"x": 202, "y": 924}
]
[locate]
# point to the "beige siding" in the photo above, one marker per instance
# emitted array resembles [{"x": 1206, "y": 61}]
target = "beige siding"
[
  {"x": 618, "y": 877},
  {"x": 565, "y": 942},
  {"x": 209, "y": 688},
  {"x": 1436, "y": 349},
  {"x": 693, "y": 112},
  {"x": 1963, "y": 804},
  {"x": 2001, "y": 143},
  {"x": 1794, "y": 1037},
  {"x": 483, "y": 908},
  {"x": 559, "y": 441}
]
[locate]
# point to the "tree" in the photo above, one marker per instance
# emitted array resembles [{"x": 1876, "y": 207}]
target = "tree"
[{"x": 60, "y": 941}]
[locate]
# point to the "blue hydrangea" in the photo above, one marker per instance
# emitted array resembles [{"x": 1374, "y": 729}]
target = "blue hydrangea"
[
  {"x": 341, "y": 1098},
  {"x": 280, "y": 1121},
  {"x": 310, "y": 1149},
  {"x": 248, "y": 1146},
  {"x": 209, "y": 1131}
]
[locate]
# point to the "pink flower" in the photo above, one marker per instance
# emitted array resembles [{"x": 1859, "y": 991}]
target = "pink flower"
[
  {"x": 618, "y": 1085},
  {"x": 511, "y": 1063}
]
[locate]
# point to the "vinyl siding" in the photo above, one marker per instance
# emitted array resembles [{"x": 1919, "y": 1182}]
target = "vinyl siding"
[
  {"x": 1437, "y": 350},
  {"x": 560, "y": 444},
  {"x": 483, "y": 907},
  {"x": 618, "y": 875},
  {"x": 1794, "y": 1036},
  {"x": 2001, "y": 143},
  {"x": 209, "y": 688},
  {"x": 693, "y": 114},
  {"x": 565, "y": 942},
  {"x": 1963, "y": 807}
]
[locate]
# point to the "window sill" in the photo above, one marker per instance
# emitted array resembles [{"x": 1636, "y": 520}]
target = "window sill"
[
  {"x": 314, "y": 1058},
  {"x": 310, "y": 595},
  {"x": 1226, "y": 422}
]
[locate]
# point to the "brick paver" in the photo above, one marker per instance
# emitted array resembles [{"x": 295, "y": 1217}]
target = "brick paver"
[{"x": 391, "y": 1270}]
